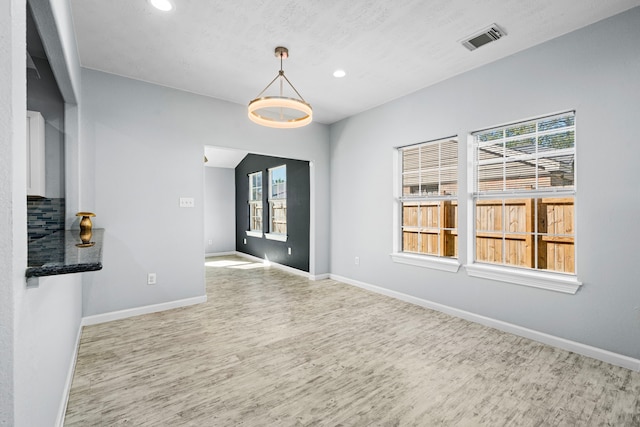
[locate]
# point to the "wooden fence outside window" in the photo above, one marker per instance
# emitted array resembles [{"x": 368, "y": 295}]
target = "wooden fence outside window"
[
  {"x": 278, "y": 217},
  {"x": 430, "y": 228},
  {"x": 505, "y": 234}
]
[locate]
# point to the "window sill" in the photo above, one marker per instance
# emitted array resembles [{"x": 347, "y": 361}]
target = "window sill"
[
  {"x": 537, "y": 279},
  {"x": 436, "y": 263},
  {"x": 278, "y": 237},
  {"x": 254, "y": 234}
]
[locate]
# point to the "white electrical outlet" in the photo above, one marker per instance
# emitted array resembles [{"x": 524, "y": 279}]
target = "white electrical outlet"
[
  {"x": 245, "y": 241},
  {"x": 210, "y": 242},
  {"x": 151, "y": 279},
  {"x": 187, "y": 202},
  {"x": 289, "y": 251}
]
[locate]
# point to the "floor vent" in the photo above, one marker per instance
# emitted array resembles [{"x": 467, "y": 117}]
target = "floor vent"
[{"x": 483, "y": 37}]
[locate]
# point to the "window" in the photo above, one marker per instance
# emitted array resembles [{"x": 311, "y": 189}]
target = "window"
[
  {"x": 255, "y": 204},
  {"x": 428, "y": 199},
  {"x": 278, "y": 202},
  {"x": 523, "y": 198}
]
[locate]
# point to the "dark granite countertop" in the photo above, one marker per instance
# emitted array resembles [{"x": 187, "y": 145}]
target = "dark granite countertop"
[{"x": 63, "y": 252}]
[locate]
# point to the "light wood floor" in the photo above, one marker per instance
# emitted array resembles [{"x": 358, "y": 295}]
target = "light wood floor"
[{"x": 273, "y": 349}]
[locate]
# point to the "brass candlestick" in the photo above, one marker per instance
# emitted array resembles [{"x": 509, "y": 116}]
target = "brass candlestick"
[{"x": 85, "y": 229}]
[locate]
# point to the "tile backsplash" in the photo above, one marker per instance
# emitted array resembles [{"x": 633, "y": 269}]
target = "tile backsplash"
[{"x": 44, "y": 216}]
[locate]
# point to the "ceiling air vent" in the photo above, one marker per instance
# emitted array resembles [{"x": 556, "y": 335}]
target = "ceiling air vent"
[{"x": 483, "y": 37}]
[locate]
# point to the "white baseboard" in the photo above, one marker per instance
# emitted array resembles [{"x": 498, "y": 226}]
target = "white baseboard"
[
  {"x": 137, "y": 311},
  {"x": 319, "y": 276},
  {"x": 576, "y": 347},
  {"x": 62, "y": 411},
  {"x": 219, "y": 254}
]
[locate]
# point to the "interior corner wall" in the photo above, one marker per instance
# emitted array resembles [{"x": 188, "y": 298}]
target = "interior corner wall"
[
  {"x": 13, "y": 209},
  {"x": 219, "y": 210},
  {"x": 39, "y": 325},
  {"x": 148, "y": 145},
  {"x": 596, "y": 71},
  {"x": 298, "y": 212}
]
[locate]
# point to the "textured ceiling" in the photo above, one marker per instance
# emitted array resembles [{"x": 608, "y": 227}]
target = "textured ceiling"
[{"x": 224, "y": 49}]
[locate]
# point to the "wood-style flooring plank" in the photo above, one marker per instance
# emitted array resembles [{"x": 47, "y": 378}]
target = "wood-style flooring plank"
[{"x": 273, "y": 349}]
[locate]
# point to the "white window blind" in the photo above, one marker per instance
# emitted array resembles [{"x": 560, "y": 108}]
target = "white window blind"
[
  {"x": 430, "y": 169},
  {"x": 428, "y": 198}
]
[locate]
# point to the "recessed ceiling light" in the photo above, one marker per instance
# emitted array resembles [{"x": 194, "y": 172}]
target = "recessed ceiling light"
[
  {"x": 163, "y": 5},
  {"x": 339, "y": 73}
]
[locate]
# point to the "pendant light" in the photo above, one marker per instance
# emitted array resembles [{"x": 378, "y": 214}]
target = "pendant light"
[{"x": 280, "y": 111}]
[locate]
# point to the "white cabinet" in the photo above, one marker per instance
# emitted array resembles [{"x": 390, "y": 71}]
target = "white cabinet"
[{"x": 35, "y": 154}]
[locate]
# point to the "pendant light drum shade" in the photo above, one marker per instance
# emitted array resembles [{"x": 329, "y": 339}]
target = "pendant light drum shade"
[{"x": 280, "y": 111}]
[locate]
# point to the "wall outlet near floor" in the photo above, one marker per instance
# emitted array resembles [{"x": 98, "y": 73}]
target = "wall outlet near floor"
[
  {"x": 289, "y": 251},
  {"x": 245, "y": 241},
  {"x": 210, "y": 242},
  {"x": 357, "y": 260},
  {"x": 151, "y": 279}
]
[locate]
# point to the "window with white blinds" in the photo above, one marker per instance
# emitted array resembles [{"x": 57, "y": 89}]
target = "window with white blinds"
[
  {"x": 428, "y": 198},
  {"x": 524, "y": 189},
  {"x": 255, "y": 202}
]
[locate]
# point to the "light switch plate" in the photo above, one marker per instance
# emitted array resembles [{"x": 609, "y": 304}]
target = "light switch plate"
[{"x": 187, "y": 202}]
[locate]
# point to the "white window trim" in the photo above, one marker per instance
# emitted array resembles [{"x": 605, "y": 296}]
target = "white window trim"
[
  {"x": 261, "y": 204},
  {"x": 417, "y": 260},
  {"x": 275, "y": 236},
  {"x": 255, "y": 233},
  {"x": 270, "y": 234},
  {"x": 559, "y": 282},
  {"x": 427, "y": 261},
  {"x": 538, "y": 279}
]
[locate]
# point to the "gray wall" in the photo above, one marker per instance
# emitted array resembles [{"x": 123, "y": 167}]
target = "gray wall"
[
  {"x": 148, "y": 143},
  {"x": 595, "y": 71},
  {"x": 48, "y": 326},
  {"x": 219, "y": 210}
]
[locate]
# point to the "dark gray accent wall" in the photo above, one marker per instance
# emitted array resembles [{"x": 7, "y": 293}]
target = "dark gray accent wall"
[{"x": 298, "y": 211}]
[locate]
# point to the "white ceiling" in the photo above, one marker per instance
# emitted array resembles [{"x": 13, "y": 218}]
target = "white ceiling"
[
  {"x": 223, "y": 157},
  {"x": 224, "y": 49}
]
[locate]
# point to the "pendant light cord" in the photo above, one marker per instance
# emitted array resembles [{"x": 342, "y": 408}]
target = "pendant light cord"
[{"x": 281, "y": 74}]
